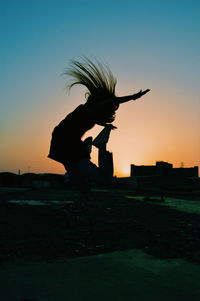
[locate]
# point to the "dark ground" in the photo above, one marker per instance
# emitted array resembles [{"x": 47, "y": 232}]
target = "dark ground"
[{"x": 105, "y": 221}]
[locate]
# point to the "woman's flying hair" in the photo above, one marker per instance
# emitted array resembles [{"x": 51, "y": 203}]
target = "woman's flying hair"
[{"x": 95, "y": 76}]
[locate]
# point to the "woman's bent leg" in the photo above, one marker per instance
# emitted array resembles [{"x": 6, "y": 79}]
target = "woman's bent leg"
[
  {"x": 106, "y": 165},
  {"x": 83, "y": 173}
]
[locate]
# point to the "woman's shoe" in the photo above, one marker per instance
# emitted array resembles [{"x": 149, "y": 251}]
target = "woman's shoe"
[{"x": 103, "y": 136}]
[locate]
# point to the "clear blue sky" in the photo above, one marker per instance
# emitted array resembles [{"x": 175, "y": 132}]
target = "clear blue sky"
[{"x": 147, "y": 44}]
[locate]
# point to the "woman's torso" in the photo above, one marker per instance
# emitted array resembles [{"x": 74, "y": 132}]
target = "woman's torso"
[{"x": 66, "y": 143}]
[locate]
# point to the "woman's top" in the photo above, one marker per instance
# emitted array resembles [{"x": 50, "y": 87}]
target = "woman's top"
[{"x": 66, "y": 144}]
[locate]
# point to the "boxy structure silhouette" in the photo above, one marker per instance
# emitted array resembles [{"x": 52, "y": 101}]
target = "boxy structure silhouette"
[
  {"x": 163, "y": 178},
  {"x": 163, "y": 169}
]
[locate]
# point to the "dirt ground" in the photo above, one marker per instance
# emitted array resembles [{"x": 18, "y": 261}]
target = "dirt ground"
[{"x": 101, "y": 222}]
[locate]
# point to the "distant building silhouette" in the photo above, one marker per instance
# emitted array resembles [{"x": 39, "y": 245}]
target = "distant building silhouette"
[
  {"x": 162, "y": 178},
  {"x": 32, "y": 180},
  {"x": 163, "y": 169},
  {"x": 8, "y": 179}
]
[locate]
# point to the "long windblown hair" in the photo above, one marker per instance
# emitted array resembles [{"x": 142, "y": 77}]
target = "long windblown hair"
[
  {"x": 99, "y": 81},
  {"x": 96, "y": 77}
]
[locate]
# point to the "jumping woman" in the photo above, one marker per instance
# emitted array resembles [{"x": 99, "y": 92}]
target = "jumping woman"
[{"x": 100, "y": 107}]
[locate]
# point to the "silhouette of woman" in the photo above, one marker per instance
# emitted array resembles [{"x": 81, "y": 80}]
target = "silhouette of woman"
[{"x": 100, "y": 107}]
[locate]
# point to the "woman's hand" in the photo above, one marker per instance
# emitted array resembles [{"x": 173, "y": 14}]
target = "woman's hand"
[
  {"x": 140, "y": 94},
  {"x": 135, "y": 96}
]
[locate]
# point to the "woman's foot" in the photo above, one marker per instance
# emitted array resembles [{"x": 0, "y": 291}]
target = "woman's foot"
[{"x": 102, "y": 139}]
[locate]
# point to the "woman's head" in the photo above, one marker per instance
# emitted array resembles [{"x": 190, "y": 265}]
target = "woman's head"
[
  {"x": 100, "y": 84},
  {"x": 107, "y": 114},
  {"x": 96, "y": 77}
]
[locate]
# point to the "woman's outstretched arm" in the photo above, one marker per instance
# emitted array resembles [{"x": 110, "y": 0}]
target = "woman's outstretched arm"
[
  {"x": 135, "y": 96},
  {"x": 99, "y": 106}
]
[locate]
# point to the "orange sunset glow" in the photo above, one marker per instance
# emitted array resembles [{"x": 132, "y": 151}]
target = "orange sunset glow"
[
  {"x": 148, "y": 130},
  {"x": 154, "y": 46}
]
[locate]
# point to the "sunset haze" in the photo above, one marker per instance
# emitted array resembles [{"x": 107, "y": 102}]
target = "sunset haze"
[{"x": 147, "y": 44}]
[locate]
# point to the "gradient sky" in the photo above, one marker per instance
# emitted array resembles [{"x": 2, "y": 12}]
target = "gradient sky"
[{"x": 147, "y": 44}]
